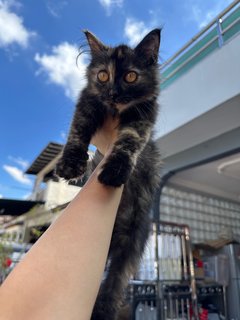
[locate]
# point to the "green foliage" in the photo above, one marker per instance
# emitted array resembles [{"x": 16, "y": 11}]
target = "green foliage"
[{"x": 5, "y": 252}]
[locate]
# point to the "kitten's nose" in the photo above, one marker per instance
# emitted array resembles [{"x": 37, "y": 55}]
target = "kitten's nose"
[{"x": 112, "y": 93}]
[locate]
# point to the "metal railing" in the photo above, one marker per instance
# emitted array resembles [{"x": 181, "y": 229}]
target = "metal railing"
[
  {"x": 172, "y": 291},
  {"x": 213, "y": 36}
]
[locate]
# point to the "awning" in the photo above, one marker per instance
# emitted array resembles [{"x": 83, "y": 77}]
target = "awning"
[
  {"x": 47, "y": 155},
  {"x": 12, "y": 207}
]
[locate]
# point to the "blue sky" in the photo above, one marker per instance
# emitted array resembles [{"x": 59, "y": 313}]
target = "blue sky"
[{"x": 39, "y": 79}]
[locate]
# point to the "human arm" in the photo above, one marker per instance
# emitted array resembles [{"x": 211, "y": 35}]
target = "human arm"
[{"x": 60, "y": 276}]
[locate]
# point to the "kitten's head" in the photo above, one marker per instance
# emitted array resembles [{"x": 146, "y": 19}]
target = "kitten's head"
[{"x": 120, "y": 76}]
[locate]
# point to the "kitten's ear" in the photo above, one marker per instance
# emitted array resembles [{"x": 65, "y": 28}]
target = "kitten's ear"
[
  {"x": 148, "y": 48},
  {"x": 95, "y": 44}
]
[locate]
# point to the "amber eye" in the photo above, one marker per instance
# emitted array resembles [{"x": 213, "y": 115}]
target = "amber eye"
[
  {"x": 103, "y": 76},
  {"x": 131, "y": 77}
]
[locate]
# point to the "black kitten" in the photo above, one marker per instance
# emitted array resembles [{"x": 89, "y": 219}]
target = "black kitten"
[{"x": 123, "y": 82}]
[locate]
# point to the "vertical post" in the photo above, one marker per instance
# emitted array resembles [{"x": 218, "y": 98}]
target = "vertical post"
[
  {"x": 192, "y": 274},
  {"x": 184, "y": 254},
  {"x": 132, "y": 301},
  {"x": 156, "y": 267},
  {"x": 156, "y": 260},
  {"x": 225, "y": 302},
  {"x": 219, "y": 31}
]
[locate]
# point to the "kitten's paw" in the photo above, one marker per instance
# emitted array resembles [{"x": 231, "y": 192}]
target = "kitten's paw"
[
  {"x": 116, "y": 170},
  {"x": 71, "y": 167},
  {"x": 68, "y": 172}
]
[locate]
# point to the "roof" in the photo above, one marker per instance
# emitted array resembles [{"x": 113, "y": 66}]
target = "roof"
[
  {"x": 46, "y": 156},
  {"x": 12, "y": 207}
]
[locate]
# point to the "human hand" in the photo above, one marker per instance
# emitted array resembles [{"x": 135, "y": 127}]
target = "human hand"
[{"x": 105, "y": 137}]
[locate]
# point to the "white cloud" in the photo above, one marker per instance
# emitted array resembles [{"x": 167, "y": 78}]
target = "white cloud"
[
  {"x": 17, "y": 174},
  {"x": 61, "y": 69},
  {"x": 135, "y": 30},
  {"x": 12, "y": 29},
  {"x": 109, "y": 4},
  {"x": 55, "y": 8},
  {"x": 21, "y": 162},
  {"x": 202, "y": 15},
  {"x": 1, "y": 196}
]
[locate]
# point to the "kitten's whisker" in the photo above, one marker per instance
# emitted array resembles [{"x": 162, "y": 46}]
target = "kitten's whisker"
[
  {"x": 140, "y": 112},
  {"x": 83, "y": 49},
  {"x": 143, "y": 112}
]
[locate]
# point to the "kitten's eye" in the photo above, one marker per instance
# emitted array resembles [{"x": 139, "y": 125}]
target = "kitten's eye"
[
  {"x": 103, "y": 76},
  {"x": 131, "y": 77}
]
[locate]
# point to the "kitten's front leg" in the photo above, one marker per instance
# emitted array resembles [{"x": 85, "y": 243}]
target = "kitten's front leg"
[
  {"x": 122, "y": 160},
  {"x": 73, "y": 162},
  {"x": 89, "y": 116}
]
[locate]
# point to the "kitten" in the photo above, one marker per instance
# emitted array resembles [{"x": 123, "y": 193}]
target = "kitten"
[{"x": 123, "y": 82}]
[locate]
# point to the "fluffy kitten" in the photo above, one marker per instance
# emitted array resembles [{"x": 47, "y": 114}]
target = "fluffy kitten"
[{"x": 123, "y": 82}]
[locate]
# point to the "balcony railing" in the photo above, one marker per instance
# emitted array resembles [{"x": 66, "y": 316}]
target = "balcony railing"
[{"x": 213, "y": 36}]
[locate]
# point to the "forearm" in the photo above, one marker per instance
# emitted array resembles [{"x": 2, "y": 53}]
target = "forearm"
[{"x": 60, "y": 276}]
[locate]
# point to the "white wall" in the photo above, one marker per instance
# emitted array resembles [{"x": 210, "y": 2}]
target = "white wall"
[
  {"x": 208, "y": 84},
  {"x": 58, "y": 193},
  {"x": 212, "y": 124}
]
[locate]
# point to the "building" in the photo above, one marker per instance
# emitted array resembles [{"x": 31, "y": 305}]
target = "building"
[
  {"x": 198, "y": 129},
  {"x": 48, "y": 197}
]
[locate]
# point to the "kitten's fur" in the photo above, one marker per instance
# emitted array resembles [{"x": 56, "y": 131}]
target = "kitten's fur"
[{"x": 134, "y": 159}]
